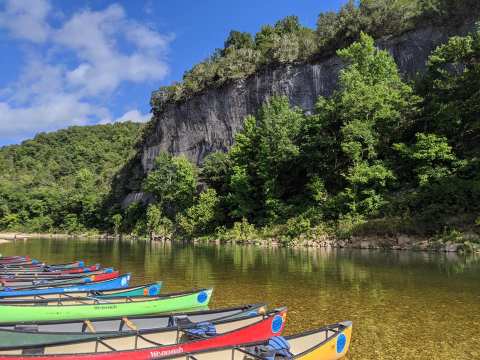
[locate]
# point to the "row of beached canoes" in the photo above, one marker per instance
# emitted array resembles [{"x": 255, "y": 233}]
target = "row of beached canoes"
[{"x": 74, "y": 311}]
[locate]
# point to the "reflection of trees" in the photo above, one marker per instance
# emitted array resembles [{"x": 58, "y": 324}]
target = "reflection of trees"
[{"x": 183, "y": 266}]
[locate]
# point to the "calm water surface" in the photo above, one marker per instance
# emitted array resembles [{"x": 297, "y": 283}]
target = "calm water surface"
[{"x": 404, "y": 305}]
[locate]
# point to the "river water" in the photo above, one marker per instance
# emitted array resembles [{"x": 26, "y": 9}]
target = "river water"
[{"x": 404, "y": 305}]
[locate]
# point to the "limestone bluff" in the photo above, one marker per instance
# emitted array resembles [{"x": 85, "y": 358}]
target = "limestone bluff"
[{"x": 208, "y": 121}]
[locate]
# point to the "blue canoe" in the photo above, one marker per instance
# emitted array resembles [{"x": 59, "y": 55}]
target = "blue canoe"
[{"x": 120, "y": 282}]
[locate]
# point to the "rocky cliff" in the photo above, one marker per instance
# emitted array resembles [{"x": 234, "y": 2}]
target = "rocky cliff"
[{"x": 208, "y": 121}]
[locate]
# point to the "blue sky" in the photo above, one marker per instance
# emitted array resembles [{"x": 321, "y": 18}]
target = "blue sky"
[{"x": 97, "y": 61}]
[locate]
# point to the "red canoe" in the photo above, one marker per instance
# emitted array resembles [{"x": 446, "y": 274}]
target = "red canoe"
[
  {"x": 9, "y": 259},
  {"x": 54, "y": 275},
  {"x": 19, "y": 283},
  {"x": 135, "y": 347}
]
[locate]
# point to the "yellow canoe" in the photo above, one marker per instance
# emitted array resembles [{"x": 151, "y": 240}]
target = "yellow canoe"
[{"x": 327, "y": 343}]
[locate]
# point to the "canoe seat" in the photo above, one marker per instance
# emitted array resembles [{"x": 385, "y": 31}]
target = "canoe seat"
[
  {"x": 277, "y": 348},
  {"x": 179, "y": 321},
  {"x": 21, "y": 327},
  {"x": 201, "y": 330},
  {"x": 87, "y": 324},
  {"x": 129, "y": 323}
]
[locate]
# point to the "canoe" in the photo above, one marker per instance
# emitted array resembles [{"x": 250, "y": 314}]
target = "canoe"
[
  {"x": 46, "y": 272},
  {"x": 152, "y": 289},
  {"x": 328, "y": 343},
  {"x": 54, "y": 275},
  {"x": 91, "y": 308},
  {"x": 56, "y": 333},
  {"x": 163, "y": 343},
  {"x": 117, "y": 283},
  {"x": 12, "y": 259},
  {"x": 75, "y": 264},
  {"x": 24, "y": 284},
  {"x": 33, "y": 264}
]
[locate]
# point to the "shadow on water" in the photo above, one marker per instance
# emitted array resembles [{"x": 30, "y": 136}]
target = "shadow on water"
[{"x": 405, "y": 305}]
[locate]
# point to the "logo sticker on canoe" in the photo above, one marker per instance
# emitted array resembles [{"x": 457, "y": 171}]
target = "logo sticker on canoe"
[
  {"x": 153, "y": 290},
  {"x": 167, "y": 352},
  {"x": 202, "y": 297},
  {"x": 277, "y": 323},
  {"x": 341, "y": 342}
]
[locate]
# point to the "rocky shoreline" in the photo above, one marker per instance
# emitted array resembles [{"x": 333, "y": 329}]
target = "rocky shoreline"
[{"x": 400, "y": 242}]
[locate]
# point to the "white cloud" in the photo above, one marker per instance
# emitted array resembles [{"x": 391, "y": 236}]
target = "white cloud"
[
  {"x": 94, "y": 37},
  {"x": 107, "y": 48},
  {"x": 131, "y": 115},
  {"x": 59, "y": 112},
  {"x": 26, "y": 19}
]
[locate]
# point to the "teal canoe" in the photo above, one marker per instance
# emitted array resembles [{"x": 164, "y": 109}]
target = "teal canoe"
[{"x": 152, "y": 289}]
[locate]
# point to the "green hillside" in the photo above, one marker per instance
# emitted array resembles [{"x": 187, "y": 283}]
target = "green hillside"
[{"x": 58, "y": 180}]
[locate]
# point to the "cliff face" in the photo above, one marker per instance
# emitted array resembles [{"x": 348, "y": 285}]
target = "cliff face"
[{"x": 208, "y": 121}]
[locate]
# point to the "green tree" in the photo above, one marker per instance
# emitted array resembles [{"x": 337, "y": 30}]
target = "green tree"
[
  {"x": 263, "y": 158},
  {"x": 173, "y": 182},
  {"x": 431, "y": 157},
  {"x": 239, "y": 40},
  {"x": 117, "y": 223},
  {"x": 452, "y": 90},
  {"x": 363, "y": 118},
  {"x": 199, "y": 219}
]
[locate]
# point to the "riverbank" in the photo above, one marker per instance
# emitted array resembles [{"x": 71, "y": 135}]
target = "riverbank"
[
  {"x": 451, "y": 243},
  {"x": 11, "y": 236},
  {"x": 395, "y": 243}
]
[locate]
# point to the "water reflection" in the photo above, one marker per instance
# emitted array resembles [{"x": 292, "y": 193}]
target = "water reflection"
[{"x": 405, "y": 305}]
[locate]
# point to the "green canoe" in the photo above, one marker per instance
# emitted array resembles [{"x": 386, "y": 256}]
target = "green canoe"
[{"x": 91, "y": 308}]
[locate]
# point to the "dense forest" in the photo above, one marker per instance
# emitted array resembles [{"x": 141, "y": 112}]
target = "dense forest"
[
  {"x": 58, "y": 181},
  {"x": 382, "y": 155}
]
